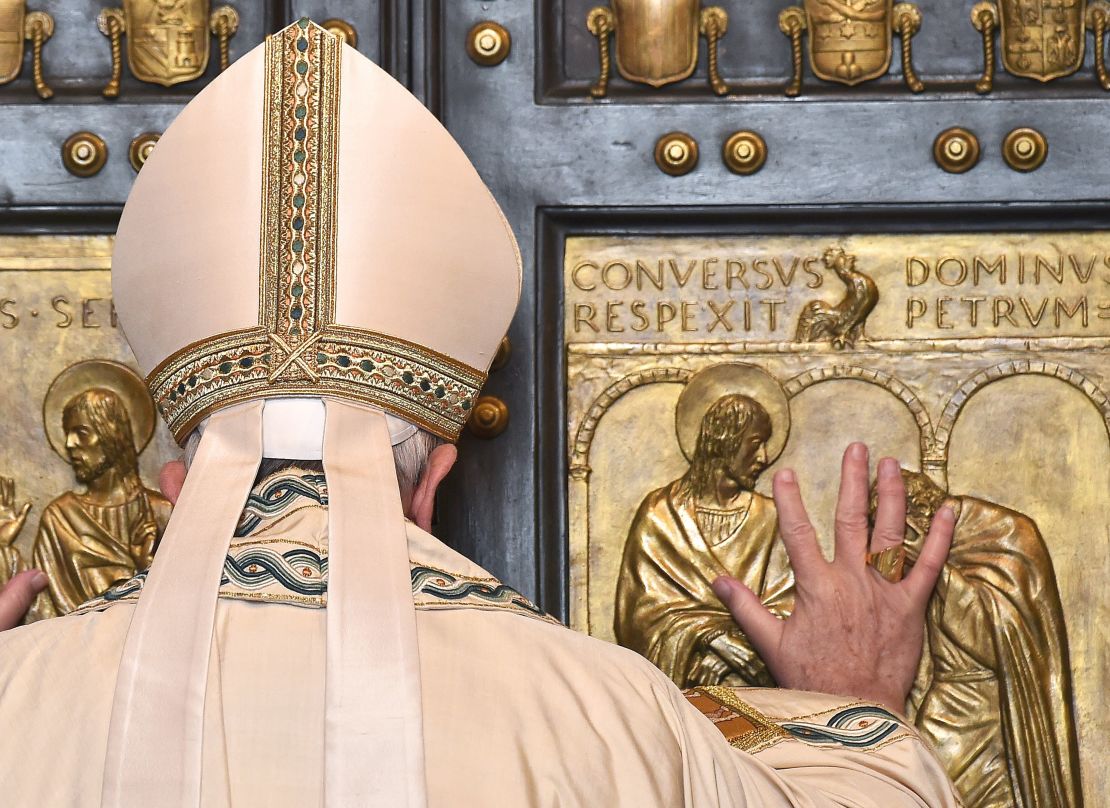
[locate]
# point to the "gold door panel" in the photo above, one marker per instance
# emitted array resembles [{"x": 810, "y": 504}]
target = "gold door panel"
[
  {"x": 978, "y": 360},
  {"x": 78, "y": 414}
]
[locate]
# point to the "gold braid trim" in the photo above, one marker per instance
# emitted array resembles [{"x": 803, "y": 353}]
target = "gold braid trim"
[
  {"x": 427, "y": 388},
  {"x": 753, "y": 733}
]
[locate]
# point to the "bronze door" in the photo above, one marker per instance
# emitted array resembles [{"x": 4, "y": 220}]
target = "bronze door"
[
  {"x": 907, "y": 257},
  {"x": 890, "y": 217}
]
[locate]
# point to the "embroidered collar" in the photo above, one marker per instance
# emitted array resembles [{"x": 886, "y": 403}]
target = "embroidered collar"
[
  {"x": 279, "y": 554},
  {"x": 277, "y": 494}
]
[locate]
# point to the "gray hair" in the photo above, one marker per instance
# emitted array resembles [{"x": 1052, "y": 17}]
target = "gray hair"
[{"x": 410, "y": 456}]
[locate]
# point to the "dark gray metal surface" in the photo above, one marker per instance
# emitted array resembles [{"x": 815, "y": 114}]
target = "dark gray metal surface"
[{"x": 77, "y": 65}]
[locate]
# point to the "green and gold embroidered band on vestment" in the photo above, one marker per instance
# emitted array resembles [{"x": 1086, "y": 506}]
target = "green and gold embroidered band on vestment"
[
  {"x": 857, "y": 725},
  {"x": 297, "y": 348},
  {"x": 279, "y": 554}
]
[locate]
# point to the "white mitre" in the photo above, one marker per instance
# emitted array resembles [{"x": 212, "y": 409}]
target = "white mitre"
[{"x": 304, "y": 229}]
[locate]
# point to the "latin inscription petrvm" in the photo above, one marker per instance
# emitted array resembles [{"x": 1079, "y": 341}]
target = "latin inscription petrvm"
[{"x": 931, "y": 286}]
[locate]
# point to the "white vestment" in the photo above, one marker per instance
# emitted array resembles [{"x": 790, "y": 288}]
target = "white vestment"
[{"x": 518, "y": 710}]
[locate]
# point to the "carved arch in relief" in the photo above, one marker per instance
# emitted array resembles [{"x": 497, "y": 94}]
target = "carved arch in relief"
[
  {"x": 897, "y": 388},
  {"x": 580, "y": 453},
  {"x": 1017, "y": 367},
  {"x": 579, "y": 458}
]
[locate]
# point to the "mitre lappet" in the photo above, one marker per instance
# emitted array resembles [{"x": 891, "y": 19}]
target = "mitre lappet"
[{"x": 307, "y": 267}]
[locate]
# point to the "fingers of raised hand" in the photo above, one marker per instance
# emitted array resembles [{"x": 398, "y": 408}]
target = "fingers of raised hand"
[
  {"x": 934, "y": 554},
  {"x": 851, "y": 506},
  {"x": 796, "y": 530},
  {"x": 890, "y": 516},
  {"x": 17, "y": 596},
  {"x": 754, "y": 619}
]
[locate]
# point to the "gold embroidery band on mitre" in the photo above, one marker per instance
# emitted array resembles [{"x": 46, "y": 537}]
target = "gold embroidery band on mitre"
[
  {"x": 426, "y": 388},
  {"x": 297, "y": 348}
]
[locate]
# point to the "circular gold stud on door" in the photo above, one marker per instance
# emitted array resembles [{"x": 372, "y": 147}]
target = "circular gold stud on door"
[
  {"x": 489, "y": 417},
  {"x": 488, "y": 43},
  {"x": 956, "y": 150},
  {"x": 744, "y": 152},
  {"x": 84, "y": 154},
  {"x": 501, "y": 358},
  {"x": 342, "y": 29},
  {"x": 676, "y": 153},
  {"x": 1024, "y": 149},
  {"x": 141, "y": 147}
]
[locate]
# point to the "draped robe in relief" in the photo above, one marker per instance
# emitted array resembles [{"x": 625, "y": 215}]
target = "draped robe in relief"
[
  {"x": 85, "y": 548},
  {"x": 11, "y": 564},
  {"x": 666, "y": 608},
  {"x": 998, "y": 703},
  {"x": 518, "y": 710}
]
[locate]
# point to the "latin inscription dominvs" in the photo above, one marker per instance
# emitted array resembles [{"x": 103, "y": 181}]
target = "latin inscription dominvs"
[{"x": 932, "y": 286}]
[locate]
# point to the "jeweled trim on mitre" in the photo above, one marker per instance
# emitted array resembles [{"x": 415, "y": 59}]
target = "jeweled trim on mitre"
[
  {"x": 297, "y": 348},
  {"x": 300, "y": 167},
  {"x": 426, "y": 388}
]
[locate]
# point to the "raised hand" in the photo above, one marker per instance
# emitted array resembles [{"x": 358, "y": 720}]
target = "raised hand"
[
  {"x": 17, "y": 596},
  {"x": 852, "y": 633},
  {"x": 11, "y": 520}
]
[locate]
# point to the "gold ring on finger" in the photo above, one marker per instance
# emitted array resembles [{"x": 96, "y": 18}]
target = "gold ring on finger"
[{"x": 889, "y": 563}]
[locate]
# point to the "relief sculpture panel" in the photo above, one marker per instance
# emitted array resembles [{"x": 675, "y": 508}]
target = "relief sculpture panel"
[
  {"x": 697, "y": 367},
  {"x": 82, "y": 434},
  {"x": 704, "y": 523}
]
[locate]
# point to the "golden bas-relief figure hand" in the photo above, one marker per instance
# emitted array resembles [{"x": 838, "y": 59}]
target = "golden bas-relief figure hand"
[
  {"x": 11, "y": 518},
  {"x": 710, "y": 669},
  {"x": 742, "y": 659},
  {"x": 144, "y": 542},
  {"x": 923, "y": 499},
  {"x": 18, "y": 585},
  {"x": 852, "y": 632}
]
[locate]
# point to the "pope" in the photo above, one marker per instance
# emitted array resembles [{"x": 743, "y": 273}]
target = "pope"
[{"x": 315, "y": 281}]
